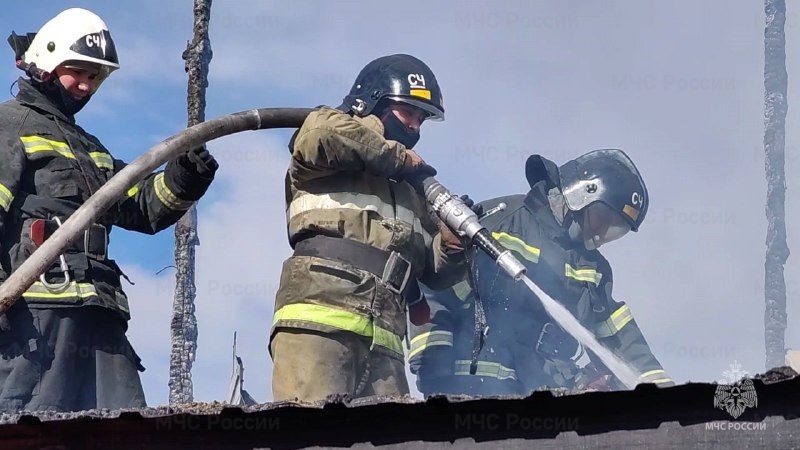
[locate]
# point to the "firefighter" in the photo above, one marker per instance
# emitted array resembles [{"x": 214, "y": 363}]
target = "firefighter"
[
  {"x": 64, "y": 344},
  {"x": 555, "y": 230},
  {"x": 362, "y": 237}
]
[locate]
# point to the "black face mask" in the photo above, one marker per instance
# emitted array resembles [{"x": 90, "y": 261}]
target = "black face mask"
[
  {"x": 395, "y": 130},
  {"x": 63, "y": 100}
]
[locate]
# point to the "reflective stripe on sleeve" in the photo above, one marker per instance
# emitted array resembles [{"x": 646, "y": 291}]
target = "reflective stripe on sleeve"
[
  {"x": 167, "y": 197},
  {"x": 430, "y": 339},
  {"x": 517, "y": 245}
]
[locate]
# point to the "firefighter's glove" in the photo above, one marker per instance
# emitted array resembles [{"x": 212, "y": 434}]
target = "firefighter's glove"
[
  {"x": 602, "y": 383},
  {"x": 201, "y": 161},
  {"x": 475, "y": 207},
  {"x": 450, "y": 241},
  {"x": 191, "y": 173},
  {"x": 593, "y": 378},
  {"x": 414, "y": 168},
  {"x": 419, "y": 313}
]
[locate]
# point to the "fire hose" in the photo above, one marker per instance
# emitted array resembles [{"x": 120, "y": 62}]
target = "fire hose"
[
  {"x": 256, "y": 119},
  {"x": 452, "y": 211}
]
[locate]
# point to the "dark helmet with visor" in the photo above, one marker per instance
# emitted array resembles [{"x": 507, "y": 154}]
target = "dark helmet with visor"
[{"x": 608, "y": 188}]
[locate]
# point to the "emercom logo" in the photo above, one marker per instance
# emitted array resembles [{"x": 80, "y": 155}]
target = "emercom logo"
[{"x": 736, "y": 392}]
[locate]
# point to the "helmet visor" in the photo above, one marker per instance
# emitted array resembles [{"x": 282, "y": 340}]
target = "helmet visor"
[
  {"x": 98, "y": 72},
  {"x": 431, "y": 112},
  {"x": 603, "y": 225}
]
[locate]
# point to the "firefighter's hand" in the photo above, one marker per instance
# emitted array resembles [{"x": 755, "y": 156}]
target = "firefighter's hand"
[
  {"x": 594, "y": 379},
  {"x": 603, "y": 383},
  {"x": 199, "y": 161},
  {"x": 415, "y": 166},
  {"x": 475, "y": 207},
  {"x": 450, "y": 240},
  {"x": 190, "y": 174}
]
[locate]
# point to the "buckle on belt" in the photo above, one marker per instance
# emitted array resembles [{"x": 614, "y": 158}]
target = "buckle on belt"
[
  {"x": 86, "y": 239},
  {"x": 64, "y": 269},
  {"x": 396, "y": 273}
]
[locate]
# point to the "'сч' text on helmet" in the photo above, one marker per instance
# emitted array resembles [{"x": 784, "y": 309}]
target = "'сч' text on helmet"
[
  {"x": 607, "y": 176},
  {"x": 401, "y": 78},
  {"x": 75, "y": 36}
]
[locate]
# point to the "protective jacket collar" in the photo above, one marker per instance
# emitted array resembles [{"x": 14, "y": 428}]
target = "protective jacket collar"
[{"x": 29, "y": 96}]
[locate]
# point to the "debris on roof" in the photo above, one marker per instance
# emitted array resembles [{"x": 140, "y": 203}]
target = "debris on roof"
[
  {"x": 677, "y": 417},
  {"x": 236, "y": 393}
]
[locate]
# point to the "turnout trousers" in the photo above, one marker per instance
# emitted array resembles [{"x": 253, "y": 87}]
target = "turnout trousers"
[
  {"x": 310, "y": 366},
  {"x": 67, "y": 359}
]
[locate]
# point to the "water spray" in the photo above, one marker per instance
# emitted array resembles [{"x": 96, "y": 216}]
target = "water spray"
[
  {"x": 463, "y": 221},
  {"x": 450, "y": 209}
]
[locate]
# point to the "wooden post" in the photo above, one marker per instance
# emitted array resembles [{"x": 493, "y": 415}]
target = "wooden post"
[
  {"x": 775, "y": 107},
  {"x": 184, "y": 323}
]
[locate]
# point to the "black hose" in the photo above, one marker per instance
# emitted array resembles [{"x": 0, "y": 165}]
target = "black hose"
[{"x": 111, "y": 192}]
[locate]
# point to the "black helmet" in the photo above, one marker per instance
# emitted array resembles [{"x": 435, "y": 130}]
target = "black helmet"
[
  {"x": 607, "y": 176},
  {"x": 402, "y": 78}
]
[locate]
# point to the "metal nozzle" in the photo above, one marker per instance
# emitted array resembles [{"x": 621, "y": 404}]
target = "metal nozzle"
[
  {"x": 511, "y": 265},
  {"x": 463, "y": 220}
]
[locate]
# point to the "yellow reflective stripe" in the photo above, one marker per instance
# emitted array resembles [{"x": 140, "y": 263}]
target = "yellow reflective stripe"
[
  {"x": 486, "y": 369},
  {"x": 590, "y": 275},
  {"x": 167, "y": 197},
  {"x": 516, "y": 244},
  {"x": 82, "y": 290},
  {"x": 620, "y": 317},
  {"x": 6, "y": 197},
  {"x": 430, "y": 339},
  {"x": 651, "y": 373},
  {"x": 615, "y": 322},
  {"x": 359, "y": 202},
  {"x": 102, "y": 160},
  {"x": 132, "y": 191},
  {"x": 655, "y": 376},
  {"x": 34, "y": 144},
  {"x": 342, "y": 320}
]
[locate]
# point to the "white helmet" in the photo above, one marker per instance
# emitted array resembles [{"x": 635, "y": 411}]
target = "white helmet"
[{"x": 75, "y": 34}]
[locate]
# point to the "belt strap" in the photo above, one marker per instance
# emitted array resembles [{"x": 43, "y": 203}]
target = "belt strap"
[
  {"x": 94, "y": 242},
  {"x": 389, "y": 266}
]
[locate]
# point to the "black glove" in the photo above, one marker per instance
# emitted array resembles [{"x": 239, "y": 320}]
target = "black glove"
[
  {"x": 200, "y": 161},
  {"x": 425, "y": 171},
  {"x": 477, "y": 208},
  {"x": 414, "y": 170},
  {"x": 190, "y": 174},
  {"x": 415, "y": 176}
]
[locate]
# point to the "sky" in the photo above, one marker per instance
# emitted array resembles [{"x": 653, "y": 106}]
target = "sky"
[{"x": 677, "y": 85}]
